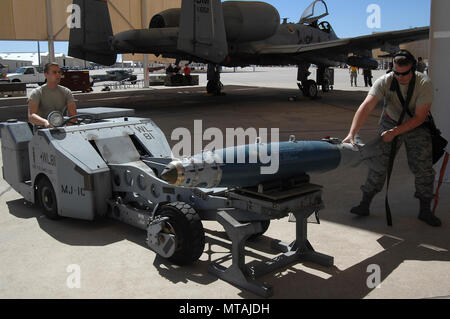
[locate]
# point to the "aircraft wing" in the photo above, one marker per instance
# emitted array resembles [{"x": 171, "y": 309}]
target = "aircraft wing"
[{"x": 349, "y": 45}]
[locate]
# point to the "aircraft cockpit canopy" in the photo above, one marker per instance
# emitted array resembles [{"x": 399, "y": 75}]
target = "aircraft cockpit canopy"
[{"x": 315, "y": 11}]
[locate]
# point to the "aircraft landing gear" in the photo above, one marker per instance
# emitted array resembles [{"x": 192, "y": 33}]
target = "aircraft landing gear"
[
  {"x": 308, "y": 87},
  {"x": 325, "y": 78},
  {"x": 214, "y": 86},
  {"x": 325, "y": 86}
]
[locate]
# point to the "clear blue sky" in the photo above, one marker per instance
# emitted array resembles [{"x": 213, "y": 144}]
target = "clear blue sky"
[{"x": 348, "y": 18}]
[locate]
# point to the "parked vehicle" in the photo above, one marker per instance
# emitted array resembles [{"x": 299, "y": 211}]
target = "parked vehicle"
[
  {"x": 26, "y": 74},
  {"x": 115, "y": 75},
  {"x": 77, "y": 81}
]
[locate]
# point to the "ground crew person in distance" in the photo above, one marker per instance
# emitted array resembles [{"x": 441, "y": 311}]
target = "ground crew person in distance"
[
  {"x": 50, "y": 97},
  {"x": 353, "y": 75},
  {"x": 421, "y": 66},
  {"x": 187, "y": 71},
  {"x": 417, "y": 139},
  {"x": 367, "y": 77}
]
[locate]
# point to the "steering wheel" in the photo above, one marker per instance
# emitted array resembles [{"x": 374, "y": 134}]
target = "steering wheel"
[{"x": 81, "y": 119}]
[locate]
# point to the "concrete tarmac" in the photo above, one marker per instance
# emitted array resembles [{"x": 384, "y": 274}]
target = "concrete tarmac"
[{"x": 37, "y": 254}]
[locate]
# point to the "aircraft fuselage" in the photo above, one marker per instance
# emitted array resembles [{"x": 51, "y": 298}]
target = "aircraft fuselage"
[{"x": 163, "y": 41}]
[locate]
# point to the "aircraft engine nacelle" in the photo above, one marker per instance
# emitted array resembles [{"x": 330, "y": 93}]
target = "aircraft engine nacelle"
[
  {"x": 169, "y": 18},
  {"x": 244, "y": 21},
  {"x": 250, "y": 21}
]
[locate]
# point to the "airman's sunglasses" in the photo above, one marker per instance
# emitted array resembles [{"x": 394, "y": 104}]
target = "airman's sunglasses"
[{"x": 402, "y": 73}]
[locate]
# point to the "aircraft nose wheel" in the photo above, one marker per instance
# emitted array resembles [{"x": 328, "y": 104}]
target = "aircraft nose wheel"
[
  {"x": 214, "y": 87},
  {"x": 310, "y": 89}
]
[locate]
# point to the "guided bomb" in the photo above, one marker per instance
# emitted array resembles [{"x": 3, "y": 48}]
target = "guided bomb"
[{"x": 250, "y": 165}]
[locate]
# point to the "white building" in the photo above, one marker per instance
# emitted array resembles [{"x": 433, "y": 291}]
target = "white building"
[
  {"x": 17, "y": 60},
  {"x": 11, "y": 65}
]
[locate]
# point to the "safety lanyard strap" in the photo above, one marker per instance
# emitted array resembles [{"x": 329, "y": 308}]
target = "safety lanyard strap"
[
  {"x": 441, "y": 180},
  {"x": 405, "y": 105}
]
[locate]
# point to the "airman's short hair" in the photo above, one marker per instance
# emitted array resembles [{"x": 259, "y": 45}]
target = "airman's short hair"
[
  {"x": 402, "y": 61},
  {"x": 48, "y": 65},
  {"x": 404, "y": 58}
]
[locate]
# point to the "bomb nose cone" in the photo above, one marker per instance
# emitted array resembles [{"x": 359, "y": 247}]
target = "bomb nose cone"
[
  {"x": 170, "y": 175},
  {"x": 173, "y": 174}
]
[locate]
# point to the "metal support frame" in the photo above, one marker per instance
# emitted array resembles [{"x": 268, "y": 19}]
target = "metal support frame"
[
  {"x": 237, "y": 274},
  {"x": 299, "y": 250},
  {"x": 144, "y": 19},
  {"x": 242, "y": 275},
  {"x": 51, "y": 41}
]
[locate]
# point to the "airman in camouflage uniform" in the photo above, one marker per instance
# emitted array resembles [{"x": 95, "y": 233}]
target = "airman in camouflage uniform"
[
  {"x": 417, "y": 139},
  {"x": 419, "y": 154}
]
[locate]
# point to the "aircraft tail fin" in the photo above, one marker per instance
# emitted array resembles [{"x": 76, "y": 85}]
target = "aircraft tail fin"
[
  {"x": 202, "y": 30},
  {"x": 91, "y": 40}
]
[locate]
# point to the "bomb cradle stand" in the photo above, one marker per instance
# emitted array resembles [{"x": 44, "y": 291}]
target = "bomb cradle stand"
[{"x": 302, "y": 201}]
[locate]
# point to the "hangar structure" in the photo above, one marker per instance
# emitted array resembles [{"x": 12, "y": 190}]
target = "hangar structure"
[
  {"x": 51, "y": 19},
  {"x": 439, "y": 48}
]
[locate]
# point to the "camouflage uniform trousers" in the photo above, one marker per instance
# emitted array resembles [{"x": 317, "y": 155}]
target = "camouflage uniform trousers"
[
  {"x": 353, "y": 78},
  {"x": 420, "y": 160}
]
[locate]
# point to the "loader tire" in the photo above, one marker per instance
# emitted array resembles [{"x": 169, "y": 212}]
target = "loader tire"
[
  {"x": 47, "y": 199},
  {"x": 185, "y": 224}
]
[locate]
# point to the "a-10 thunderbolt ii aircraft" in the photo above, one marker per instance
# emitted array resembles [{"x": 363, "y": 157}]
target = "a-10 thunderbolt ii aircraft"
[{"x": 234, "y": 34}]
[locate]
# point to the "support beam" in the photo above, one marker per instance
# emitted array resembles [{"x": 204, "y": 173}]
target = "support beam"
[
  {"x": 50, "y": 39},
  {"x": 440, "y": 64},
  {"x": 144, "y": 22},
  {"x": 39, "y": 56}
]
